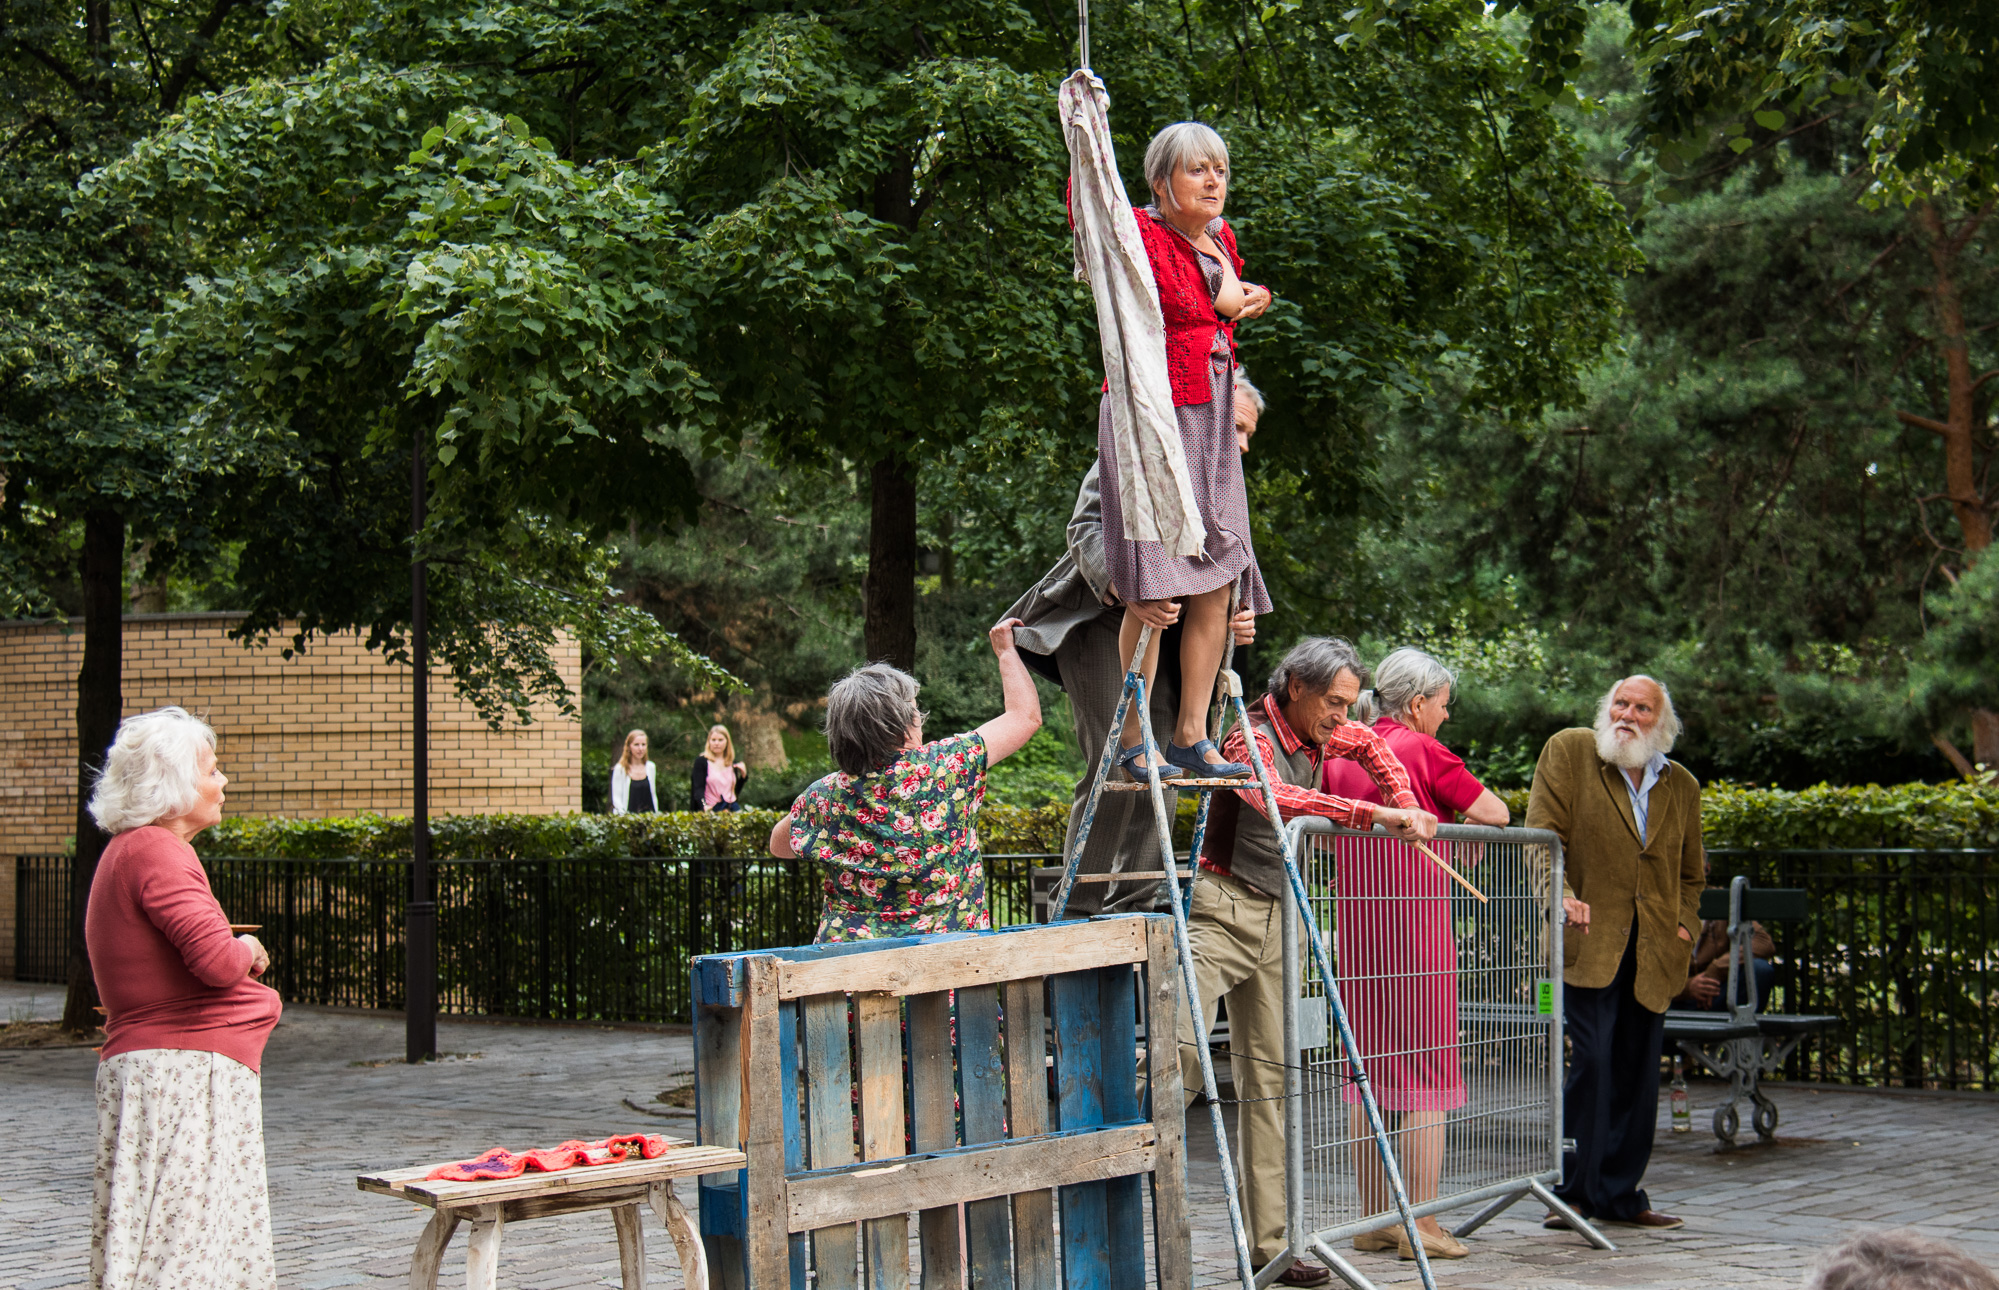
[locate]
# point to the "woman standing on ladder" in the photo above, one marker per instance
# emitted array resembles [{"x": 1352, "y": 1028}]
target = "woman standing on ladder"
[{"x": 1192, "y": 251}]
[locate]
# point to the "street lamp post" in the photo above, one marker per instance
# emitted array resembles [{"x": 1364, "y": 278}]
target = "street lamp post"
[{"x": 420, "y": 916}]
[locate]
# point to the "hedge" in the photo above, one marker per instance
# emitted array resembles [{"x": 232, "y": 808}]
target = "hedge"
[
  {"x": 1004, "y": 830},
  {"x": 1900, "y": 815},
  {"x": 1829, "y": 817}
]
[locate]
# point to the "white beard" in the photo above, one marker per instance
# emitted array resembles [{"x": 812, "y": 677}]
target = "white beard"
[{"x": 1627, "y": 752}]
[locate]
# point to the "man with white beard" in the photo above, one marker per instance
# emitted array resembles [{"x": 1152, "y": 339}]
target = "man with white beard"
[{"x": 1630, "y": 824}]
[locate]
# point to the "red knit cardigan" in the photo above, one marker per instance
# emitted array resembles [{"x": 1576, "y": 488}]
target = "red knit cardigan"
[
  {"x": 1188, "y": 308},
  {"x": 1184, "y": 301}
]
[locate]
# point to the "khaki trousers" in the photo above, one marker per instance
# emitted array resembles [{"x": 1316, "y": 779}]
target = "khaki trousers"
[{"x": 1237, "y": 936}]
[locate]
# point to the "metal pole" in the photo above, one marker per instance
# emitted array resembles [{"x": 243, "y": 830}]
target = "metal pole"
[
  {"x": 1083, "y": 32},
  {"x": 420, "y": 916}
]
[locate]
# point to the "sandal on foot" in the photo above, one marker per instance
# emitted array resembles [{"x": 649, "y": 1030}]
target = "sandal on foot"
[
  {"x": 1130, "y": 762},
  {"x": 1195, "y": 762}
]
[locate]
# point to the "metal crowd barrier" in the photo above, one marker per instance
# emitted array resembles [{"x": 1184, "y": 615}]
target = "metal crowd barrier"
[{"x": 1458, "y": 1017}]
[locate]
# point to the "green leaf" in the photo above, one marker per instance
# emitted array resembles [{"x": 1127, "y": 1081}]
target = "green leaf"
[{"x": 1770, "y": 119}]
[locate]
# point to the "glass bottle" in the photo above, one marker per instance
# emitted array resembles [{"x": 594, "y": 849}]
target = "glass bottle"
[{"x": 1683, "y": 1120}]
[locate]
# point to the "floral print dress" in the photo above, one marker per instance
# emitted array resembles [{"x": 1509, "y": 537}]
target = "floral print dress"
[{"x": 899, "y": 846}]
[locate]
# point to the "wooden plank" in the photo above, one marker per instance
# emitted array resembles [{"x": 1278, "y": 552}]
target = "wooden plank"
[
  {"x": 631, "y": 1246},
  {"x": 718, "y": 1034},
  {"x": 794, "y": 1124},
  {"x": 933, "y": 1099},
  {"x": 829, "y": 1088},
  {"x": 1172, "y": 1239},
  {"x": 582, "y": 1179},
  {"x": 885, "y": 1240},
  {"x": 982, "y": 1096},
  {"x": 430, "y": 1250},
  {"x": 1075, "y": 1004},
  {"x": 1035, "y": 1263},
  {"x": 482, "y": 1248},
  {"x": 527, "y": 1207},
  {"x": 765, "y": 1249},
  {"x": 971, "y": 1173},
  {"x": 980, "y": 960},
  {"x": 1124, "y": 1201}
]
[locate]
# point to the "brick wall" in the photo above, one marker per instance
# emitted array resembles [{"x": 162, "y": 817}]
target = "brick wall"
[{"x": 326, "y": 733}]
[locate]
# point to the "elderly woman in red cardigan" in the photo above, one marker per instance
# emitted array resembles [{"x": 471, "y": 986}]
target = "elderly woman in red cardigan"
[
  {"x": 1194, "y": 261},
  {"x": 180, "y": 1196}
]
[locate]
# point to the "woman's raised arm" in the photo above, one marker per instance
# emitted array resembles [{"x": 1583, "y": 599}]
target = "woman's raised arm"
[{"x": 1009, "y": 732}]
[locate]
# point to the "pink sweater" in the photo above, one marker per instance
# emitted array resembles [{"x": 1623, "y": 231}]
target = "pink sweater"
[{"x": 168, "y": 970}]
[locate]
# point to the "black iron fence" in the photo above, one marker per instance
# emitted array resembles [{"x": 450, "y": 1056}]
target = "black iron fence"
[
  {"x": 1903, "y": 945},
  {"x": 595, "y": 940},
  {"x": 41, "y": 918}
]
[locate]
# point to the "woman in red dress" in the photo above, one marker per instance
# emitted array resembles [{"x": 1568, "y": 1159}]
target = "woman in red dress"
[{"x": 1398, "y": 957}]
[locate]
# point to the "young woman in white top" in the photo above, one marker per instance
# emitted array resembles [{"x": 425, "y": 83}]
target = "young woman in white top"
[
  {"x": 634, "y": 787},
  {"x": 717, "y": 776}
]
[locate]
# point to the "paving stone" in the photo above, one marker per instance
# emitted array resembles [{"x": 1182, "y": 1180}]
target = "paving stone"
[{"x": 338, "y": 1103}]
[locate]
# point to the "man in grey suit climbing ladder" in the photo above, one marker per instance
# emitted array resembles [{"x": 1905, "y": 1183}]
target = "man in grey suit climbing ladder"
[{"x": 1069, "y": 634}]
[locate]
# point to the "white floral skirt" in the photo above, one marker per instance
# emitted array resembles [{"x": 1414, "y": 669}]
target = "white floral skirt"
[{"x": 181, "y": 1198}]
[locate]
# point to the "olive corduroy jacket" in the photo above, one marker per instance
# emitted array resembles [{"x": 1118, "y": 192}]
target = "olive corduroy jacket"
[{"x": 1650, "y": 888}]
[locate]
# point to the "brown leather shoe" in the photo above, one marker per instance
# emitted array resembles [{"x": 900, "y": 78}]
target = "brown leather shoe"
[
  {"x": 1555, "y": 1222},
  {"x": 1651, "y": 1220},
  {"x": 1303, "y": 1273}
]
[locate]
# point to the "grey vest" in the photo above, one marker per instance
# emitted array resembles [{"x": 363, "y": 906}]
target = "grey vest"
[{"x": 1240, "y": 842}]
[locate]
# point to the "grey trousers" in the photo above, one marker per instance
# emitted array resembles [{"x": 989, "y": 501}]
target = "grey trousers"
[{"x": 1124, "y": 839}]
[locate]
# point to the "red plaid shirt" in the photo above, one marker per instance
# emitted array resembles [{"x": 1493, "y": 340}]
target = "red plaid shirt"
[{"x": 1349, "y": 740}]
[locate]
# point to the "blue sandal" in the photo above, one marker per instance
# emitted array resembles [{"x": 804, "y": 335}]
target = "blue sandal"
[
  {"x": 1129, "y": 760},
  {"x": 1195, "y": 761}
]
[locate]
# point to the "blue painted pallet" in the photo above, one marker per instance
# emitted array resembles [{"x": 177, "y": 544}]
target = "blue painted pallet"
[{"x": 868, "y": 1081}]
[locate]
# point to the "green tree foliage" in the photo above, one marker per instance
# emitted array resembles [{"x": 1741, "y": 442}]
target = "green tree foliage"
[
  {"x": 1919, "y": 71},
  {"x": 1738, "y": 505},
  {"x": 837, "y": 232}
]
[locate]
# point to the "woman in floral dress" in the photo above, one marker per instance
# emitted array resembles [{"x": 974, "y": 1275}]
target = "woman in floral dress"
[{"x": 895, "y": 828}]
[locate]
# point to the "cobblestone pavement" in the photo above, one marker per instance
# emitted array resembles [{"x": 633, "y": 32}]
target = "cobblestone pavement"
[{"x": 338, "y": 1102}]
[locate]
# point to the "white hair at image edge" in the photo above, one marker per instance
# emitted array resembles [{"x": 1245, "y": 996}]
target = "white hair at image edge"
[
  {"x": 153, "y": 770},
  {"x": 1639, "y": 751}
]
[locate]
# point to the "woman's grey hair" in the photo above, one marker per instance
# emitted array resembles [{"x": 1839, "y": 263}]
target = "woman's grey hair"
[
  {"x": 1899, "y": 1260},
  {"x": 1315, "y": 663},
  {"x": 1399, "y": 680},
  {"x": 153, "y": 770},
  {"x": 868, "y": 715},
  {"x": 1177, "y": 146},
  {"x": 1248, "y": 391}
]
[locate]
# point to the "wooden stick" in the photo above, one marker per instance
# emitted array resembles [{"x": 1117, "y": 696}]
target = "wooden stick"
[{"x": 1458, "y": 877}]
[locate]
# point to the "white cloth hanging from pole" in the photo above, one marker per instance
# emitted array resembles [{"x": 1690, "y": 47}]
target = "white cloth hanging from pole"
[{"x": 1152, "y": 477}]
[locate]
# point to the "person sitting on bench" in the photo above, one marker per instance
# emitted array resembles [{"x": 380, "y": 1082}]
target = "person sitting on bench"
[{"x": 1708, "y": 976}]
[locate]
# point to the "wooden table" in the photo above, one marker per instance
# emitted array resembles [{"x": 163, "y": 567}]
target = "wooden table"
[{"x": 490, "y": 1204}]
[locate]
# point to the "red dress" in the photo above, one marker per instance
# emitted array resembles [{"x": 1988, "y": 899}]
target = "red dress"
[{"x": 1397, "y": 955}]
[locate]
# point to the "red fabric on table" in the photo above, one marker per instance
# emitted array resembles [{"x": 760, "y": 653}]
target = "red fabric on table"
[
  {"x": 170, "y": 972},
  {"x": 1398, "y": 959},
  {"x": 502, "y": 1163}
]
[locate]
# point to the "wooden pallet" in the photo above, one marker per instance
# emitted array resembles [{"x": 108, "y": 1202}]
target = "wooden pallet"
[{"x": 805, "y": 1060}]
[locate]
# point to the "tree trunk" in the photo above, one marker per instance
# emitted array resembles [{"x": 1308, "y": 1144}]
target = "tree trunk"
[
  {"x": 1960, "y": 469},
  {"x": 889, "y": 596},
  {"x": 1985, "y": 738},
  {"x": 1958, "y": 428},
  {"x": 100, "y": 702}
]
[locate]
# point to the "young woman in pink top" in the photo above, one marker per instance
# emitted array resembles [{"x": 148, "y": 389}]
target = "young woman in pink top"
[
  {"x": 180, "y": 1195},
  {"x": 1398, "y": 957},
  {"x": 717, "y": 776}
]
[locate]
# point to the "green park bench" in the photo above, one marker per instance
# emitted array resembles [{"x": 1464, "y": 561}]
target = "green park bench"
[{"x": 1742, "y": 1045}]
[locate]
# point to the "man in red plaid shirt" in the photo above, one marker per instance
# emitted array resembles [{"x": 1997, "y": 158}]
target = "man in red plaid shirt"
[{"x": 1234, "y": 925}]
